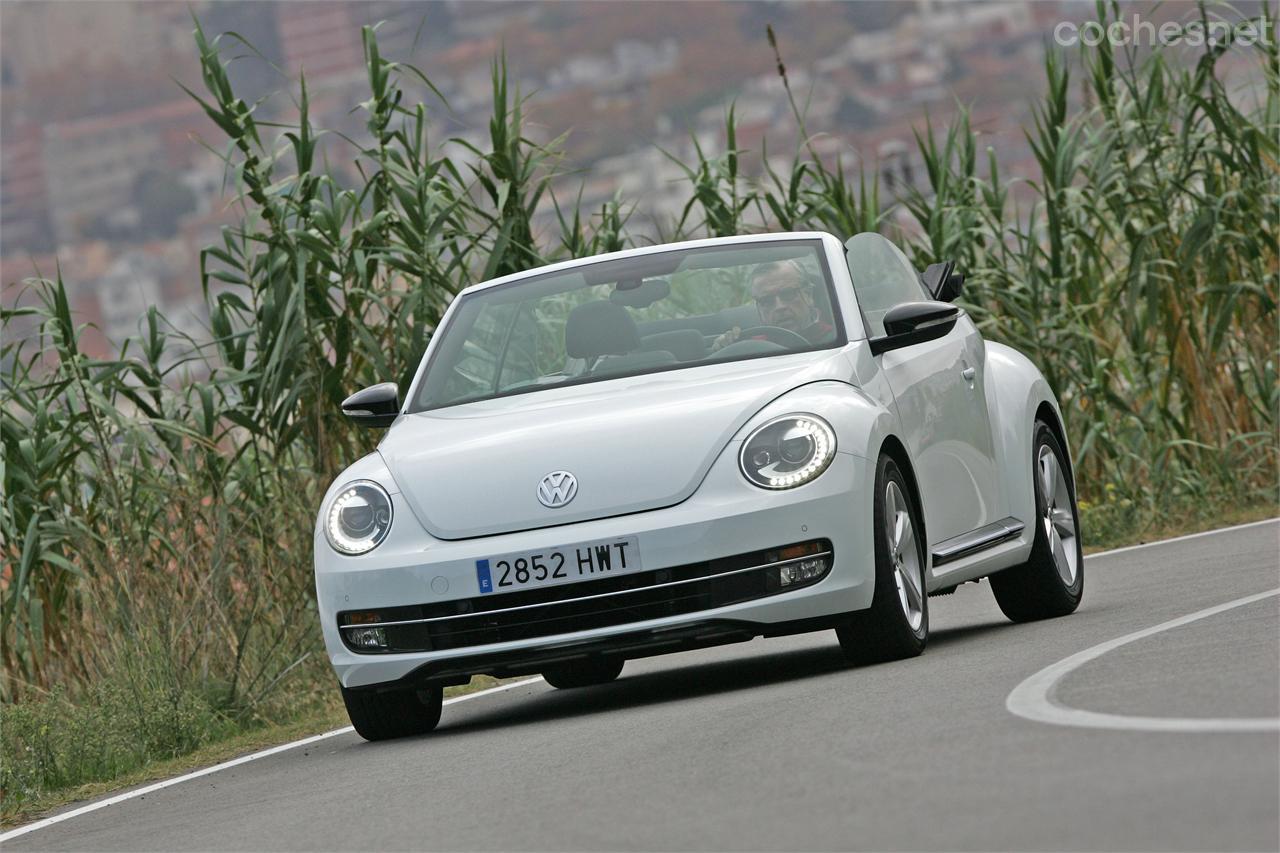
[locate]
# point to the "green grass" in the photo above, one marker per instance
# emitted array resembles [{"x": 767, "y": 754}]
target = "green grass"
[
  {"x": 57, "y": 752},
  {"x": 1119, "y": 523},
  {"x": 233, "y": 745}
]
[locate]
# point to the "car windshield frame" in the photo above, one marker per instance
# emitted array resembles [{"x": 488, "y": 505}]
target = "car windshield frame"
[{"x": 418, "y": 404}]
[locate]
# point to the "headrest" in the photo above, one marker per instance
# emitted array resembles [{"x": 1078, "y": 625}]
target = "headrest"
[
  {"x": 684, "y": 344},
  {"x": 600, "y": 328}
]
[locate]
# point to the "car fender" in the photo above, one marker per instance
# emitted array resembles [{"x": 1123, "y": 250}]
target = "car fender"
[
  {"x": 1015, "y": 392},
  {"x": 369, "y": 467},
  {"x": 861, "y": 426},
  {"x": 860, "y": 423}
]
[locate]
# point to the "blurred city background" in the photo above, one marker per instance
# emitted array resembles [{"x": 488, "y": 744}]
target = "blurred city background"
[{"x": 107, "y": 168}]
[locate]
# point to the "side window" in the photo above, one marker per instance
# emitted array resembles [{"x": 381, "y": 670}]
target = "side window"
[{"x": 882, "y": 278}]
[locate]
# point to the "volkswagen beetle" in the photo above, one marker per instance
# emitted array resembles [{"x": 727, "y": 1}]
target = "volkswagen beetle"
[{"x": 683, "y": 445}]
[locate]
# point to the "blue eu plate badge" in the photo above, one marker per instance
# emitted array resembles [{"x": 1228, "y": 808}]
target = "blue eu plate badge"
[{"x": 483, "y": 576}]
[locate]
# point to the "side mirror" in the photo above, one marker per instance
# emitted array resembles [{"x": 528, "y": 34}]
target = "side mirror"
[
  {"x": 914, "y": 323},
  {"x": 942, "y": 282},
  {"x": 376, "y": 406}
]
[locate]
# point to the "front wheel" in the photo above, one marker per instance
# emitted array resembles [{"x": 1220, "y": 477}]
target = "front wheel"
[
  {"x": 582, "y": 673},
  {"x": 393, "y": 713},
  {"x": 1051, "y": 582},
  {"x": 897, "y": 623}
]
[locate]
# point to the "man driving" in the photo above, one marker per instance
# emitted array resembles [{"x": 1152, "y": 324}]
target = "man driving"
[{"x": 784, "y": 299}]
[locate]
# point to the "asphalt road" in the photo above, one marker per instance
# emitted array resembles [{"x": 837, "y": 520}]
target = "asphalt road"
[{"x": 777, "y": 745}]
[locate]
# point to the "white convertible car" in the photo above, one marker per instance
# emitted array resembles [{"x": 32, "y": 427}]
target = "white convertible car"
[{"x": 684, "y": 445}]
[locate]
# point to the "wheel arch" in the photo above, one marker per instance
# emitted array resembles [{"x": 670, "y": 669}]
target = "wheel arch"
[
  {"x": 1018, "y": 395},
  {"x": 1050, "y": 416}
]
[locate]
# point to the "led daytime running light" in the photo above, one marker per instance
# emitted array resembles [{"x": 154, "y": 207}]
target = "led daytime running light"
[
  {"x": 376, "y": 501},
  {"x": 764, "y": 462}
]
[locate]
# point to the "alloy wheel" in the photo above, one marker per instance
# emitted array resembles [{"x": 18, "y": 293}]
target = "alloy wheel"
[
  {"x": 1058, "y": 519},
  {"x": 905, "y": 554}
]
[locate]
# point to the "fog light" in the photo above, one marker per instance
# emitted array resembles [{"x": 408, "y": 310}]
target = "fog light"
[
  {"x": 801, "y": 571},
  {"x": 367, "y": 638}
]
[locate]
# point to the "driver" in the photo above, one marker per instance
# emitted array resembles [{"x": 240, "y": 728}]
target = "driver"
[{"x": 784, "y": 299}]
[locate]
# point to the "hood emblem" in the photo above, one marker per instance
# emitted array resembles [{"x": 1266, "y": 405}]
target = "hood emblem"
[{"x": 557, "y": 489}]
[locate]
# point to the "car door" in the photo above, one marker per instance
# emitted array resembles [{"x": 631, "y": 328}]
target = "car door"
[{"x": 938, "y": 389}]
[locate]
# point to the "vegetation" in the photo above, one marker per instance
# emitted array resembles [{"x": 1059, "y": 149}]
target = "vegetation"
[{"x": 158, "y": 509}]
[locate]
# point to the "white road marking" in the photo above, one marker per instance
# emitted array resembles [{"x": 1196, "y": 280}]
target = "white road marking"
[
  {"x": 1033, "y": 698},
  {"x": 139, "y": 792},
  {"x": 244, "y": 759}
]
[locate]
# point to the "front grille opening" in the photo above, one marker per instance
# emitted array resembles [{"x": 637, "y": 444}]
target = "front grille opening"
[{"x": 591, "y": 604}]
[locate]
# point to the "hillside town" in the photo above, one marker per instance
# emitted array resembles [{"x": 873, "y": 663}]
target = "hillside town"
[{"x": 111, "y": 174}]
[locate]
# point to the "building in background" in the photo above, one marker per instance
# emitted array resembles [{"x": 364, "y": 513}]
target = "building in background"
[
  {"x": 25, "y": 223},
  {"x": 93, "y": 165}
]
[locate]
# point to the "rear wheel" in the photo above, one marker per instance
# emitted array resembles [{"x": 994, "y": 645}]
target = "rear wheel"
[
  {"x": 393, "y": 713},
  {"x": 1051, "y": 582},
  {"x": 897, "y": 623},
  {"x": 582, "y": 673}
]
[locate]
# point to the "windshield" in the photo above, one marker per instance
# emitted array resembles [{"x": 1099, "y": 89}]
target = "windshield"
[{"x": 650, "y": 313}]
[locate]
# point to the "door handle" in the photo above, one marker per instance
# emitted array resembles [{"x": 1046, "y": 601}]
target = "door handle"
[{"x": 968, "y": 373}]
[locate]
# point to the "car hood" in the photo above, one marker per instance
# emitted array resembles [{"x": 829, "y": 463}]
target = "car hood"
[{"x": 633, "y": 443}]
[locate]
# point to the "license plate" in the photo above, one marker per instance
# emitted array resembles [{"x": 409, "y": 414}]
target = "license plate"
[{"x": 565, "y": 564}]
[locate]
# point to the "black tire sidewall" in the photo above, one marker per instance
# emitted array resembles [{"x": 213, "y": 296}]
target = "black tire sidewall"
[
  {"x": 395, "y": 713},
  {"x": 583, "y": 673}
]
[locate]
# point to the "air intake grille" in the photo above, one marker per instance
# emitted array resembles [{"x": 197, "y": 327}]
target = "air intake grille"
[{"x": 583, "y": 606}]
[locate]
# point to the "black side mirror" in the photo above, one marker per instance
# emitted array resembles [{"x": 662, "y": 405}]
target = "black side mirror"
[
  {"x": 942, "y": 282},
  {"x": 914, "y": 323},
  {"x": 376, "y": 406}
]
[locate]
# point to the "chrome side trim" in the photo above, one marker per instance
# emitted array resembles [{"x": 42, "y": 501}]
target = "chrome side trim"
[
  {"x": 957, "y": 547},
  {"x": 586, "y": 597}
]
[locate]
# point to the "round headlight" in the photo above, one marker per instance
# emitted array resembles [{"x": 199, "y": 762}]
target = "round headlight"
[
  {"x": 788, "y": 451},
  {"x": 358, "y": 518}
]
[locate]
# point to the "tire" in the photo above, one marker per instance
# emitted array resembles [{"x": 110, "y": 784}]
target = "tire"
[
  {"x": 1051, "y": 582},
  {"x": 582, "y": 673},
  {"x": 896, "y": 626},
  {"x": 393, "y": 713}
]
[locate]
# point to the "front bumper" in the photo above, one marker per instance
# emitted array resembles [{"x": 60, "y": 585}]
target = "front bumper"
[{"x": 726, "y": 516}]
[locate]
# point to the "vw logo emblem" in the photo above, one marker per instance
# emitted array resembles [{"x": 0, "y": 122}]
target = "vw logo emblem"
[{"x": 557, "y": 489}]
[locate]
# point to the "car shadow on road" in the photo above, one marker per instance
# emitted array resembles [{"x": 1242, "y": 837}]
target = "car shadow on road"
[
  {"x": 950, "y": 636},
  {"x": 691, "y": 681},
  {"x": 677, "y": 684}
]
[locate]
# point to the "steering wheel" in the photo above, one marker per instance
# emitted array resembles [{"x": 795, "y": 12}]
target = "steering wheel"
[{"x": 776, "y": 334}]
